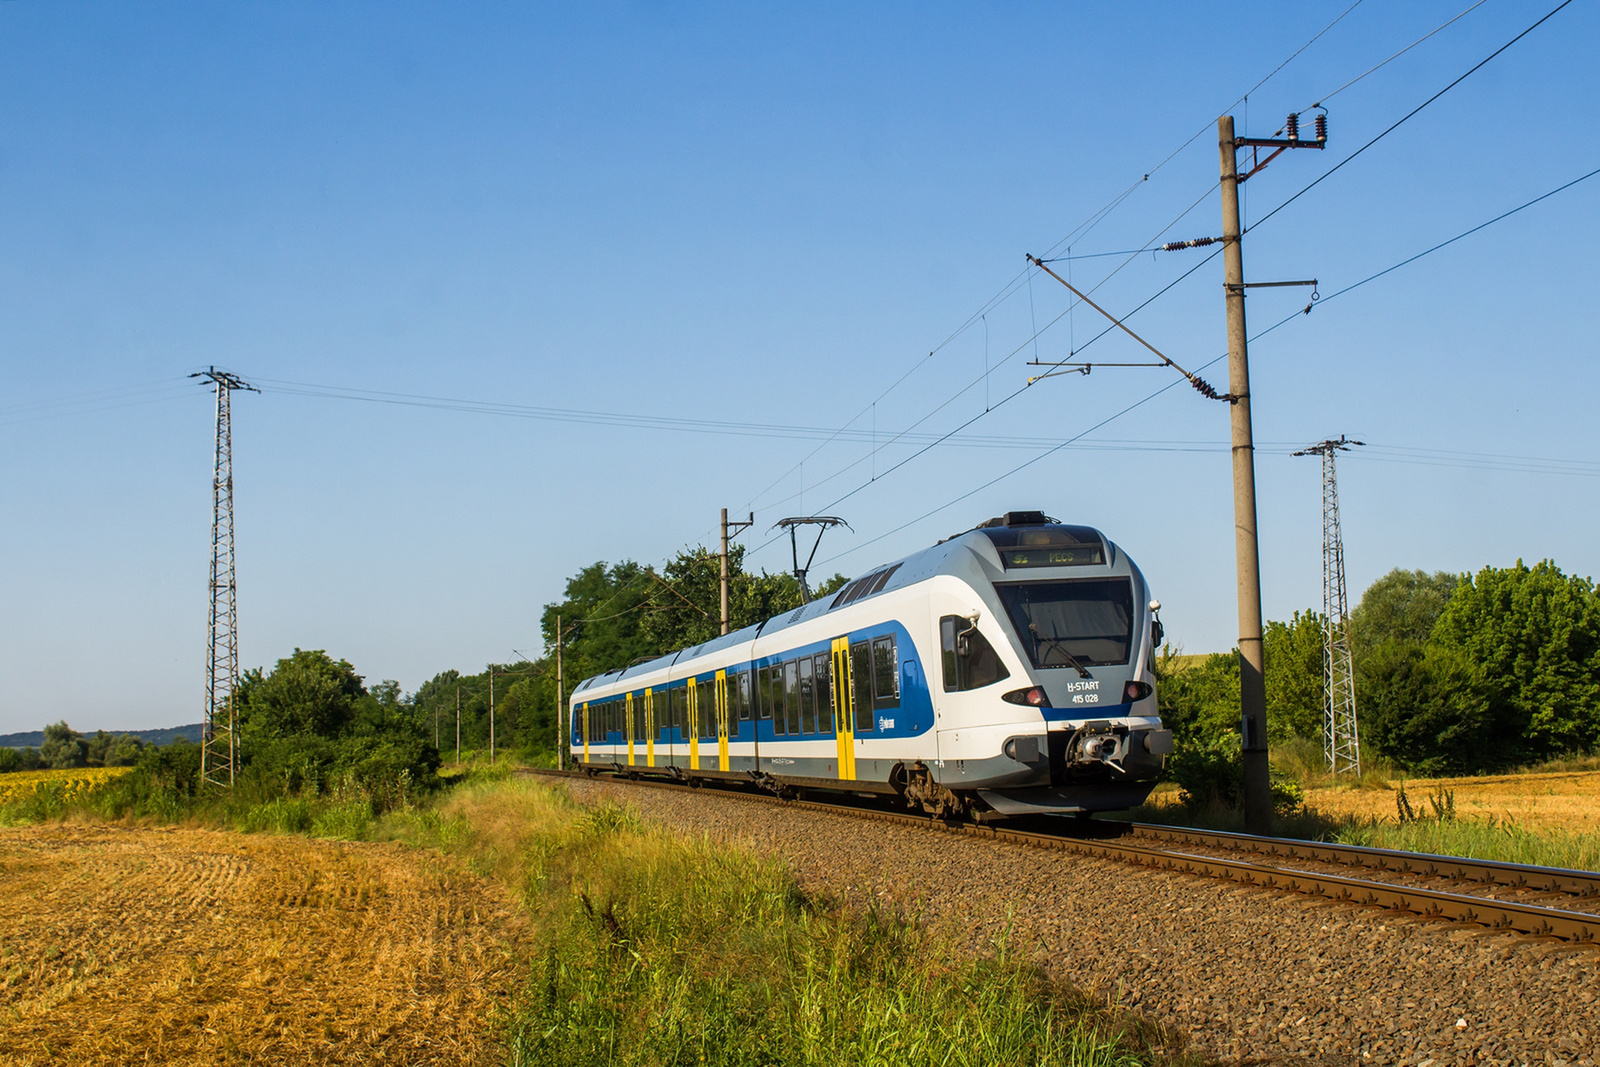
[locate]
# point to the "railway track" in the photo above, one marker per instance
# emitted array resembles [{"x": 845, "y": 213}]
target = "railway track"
[{"x": 1536, "y": 901}]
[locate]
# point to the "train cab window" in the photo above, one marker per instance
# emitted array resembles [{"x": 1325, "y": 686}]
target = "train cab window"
[
  {"x": 791, "y": 694},
  {"x": 1073, "y": 624},
  {"x": 861, "y": 685},
  {"x": 822, "y": 683},
  {"x": 970, "y": 661},
  {"x": 808, "y": 698},
  {"x": 885, "y": 673}
]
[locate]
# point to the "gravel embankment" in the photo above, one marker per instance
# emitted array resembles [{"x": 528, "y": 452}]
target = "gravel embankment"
[{"x": 1252, "y": 975}]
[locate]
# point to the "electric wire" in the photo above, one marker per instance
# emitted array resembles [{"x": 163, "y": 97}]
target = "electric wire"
[
  {"x": 1329, "y": 173},
  {"x": 1409, "y": 115},
  {"x": 1417, "y": 456},
  {"x": 1082, "y": 229},
  {"x": 1373, "y": 70}
]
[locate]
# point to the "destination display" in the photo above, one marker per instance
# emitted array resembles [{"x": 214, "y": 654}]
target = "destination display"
[{"x": 1054, "y": 556}]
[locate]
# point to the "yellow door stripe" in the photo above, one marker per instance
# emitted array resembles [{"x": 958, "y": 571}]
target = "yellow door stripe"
[
  {"x": 650, "y": 728},
  {"x": 722, "y": 720},
  {"x": 692, "y": 727},
  {"x": 843, "y": 707},
  {"x": 629, "y": 700},
  {"x": 586, "y": 733}
]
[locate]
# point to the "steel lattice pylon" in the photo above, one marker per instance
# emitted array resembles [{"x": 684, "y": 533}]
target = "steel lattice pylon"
[
  {"x": 219, "y": 748},
  {"x": 1341, "y": 739}
]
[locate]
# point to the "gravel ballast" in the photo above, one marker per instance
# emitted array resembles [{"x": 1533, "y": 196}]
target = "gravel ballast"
[{"x": 1252, "y": 975}]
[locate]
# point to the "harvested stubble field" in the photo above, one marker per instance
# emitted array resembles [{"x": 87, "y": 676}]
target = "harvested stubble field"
[
  {"x": 1567, "y": 801},
  {"x": 191, "y": 946}
]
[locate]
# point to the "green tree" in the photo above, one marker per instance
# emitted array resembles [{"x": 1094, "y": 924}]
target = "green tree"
[
  {"x": 1294, "y": 676},
  {"x": 63, "y": 747},
  {"x": 10, "y": 760},
  {"x": 1198, "y": 696},
  {"x": 1536, "y": 633},
  {"x": 114, "y": 750},
  {"x": 307, "y": 694},
  {"x": 312, "y": 722},
  {"x": 1397, "y": 702},
  {"x": 1401, "y": 606}
]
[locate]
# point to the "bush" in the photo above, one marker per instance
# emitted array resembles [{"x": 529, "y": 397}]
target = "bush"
[{"x": 1211, "y": 774}]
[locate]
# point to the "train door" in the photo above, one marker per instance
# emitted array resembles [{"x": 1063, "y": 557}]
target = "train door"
[
  {"x": 843, "y": 709},
  {"x": 649, "y": 728},
  {"x": 586, "y": 732},
  {"x": 628, "y": 717},
  {"x": 722, "y": 720},
  {"x": 691, "y": 723}
]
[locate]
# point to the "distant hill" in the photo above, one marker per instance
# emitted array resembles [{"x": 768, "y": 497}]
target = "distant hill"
[{"x": 35, "y": 738}]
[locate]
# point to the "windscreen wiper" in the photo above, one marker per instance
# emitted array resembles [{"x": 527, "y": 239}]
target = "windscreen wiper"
[{"x": 1060, "y": 644}]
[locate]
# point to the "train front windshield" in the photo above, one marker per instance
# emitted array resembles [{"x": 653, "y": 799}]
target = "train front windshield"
[{"x": 1087, "y": 621}]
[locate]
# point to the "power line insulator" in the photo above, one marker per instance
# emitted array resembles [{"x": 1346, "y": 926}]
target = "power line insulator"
[
  {"x": 1292, "y": 127},
  {"x": 1322, "y": 129},
  {"x": 1204, "y": 388}
]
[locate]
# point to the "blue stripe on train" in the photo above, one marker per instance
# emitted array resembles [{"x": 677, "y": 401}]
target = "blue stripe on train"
[{"x": 1087, "y": 711}]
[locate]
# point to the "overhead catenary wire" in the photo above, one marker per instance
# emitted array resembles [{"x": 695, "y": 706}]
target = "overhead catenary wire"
[
  {"x": 1369, "y": 144},
  {"x": 1428, "y": 457},
  {"x": 1083, "y": 228},
  {"x": 1409, "y": 115}
]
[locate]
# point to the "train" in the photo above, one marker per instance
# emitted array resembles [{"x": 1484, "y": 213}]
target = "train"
[{"x": 1005, "y": 671}]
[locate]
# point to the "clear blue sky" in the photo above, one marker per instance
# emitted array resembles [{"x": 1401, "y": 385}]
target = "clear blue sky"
[{"x": 747, "y": 214}]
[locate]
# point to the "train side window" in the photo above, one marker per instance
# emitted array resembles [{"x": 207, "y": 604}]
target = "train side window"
[
  {"x": 969, "y": 660},
  {"x": 885, "y": 673},
  {"x": 808, "y": 698},
  {"x": 763, "y": 693},
  {"x": 822, "y": 675},
  {"x": 708, "y": 708},
  {"x": 739, "y": 697},
  {"x": 639, "y": 733},
  {"x": 791, "y": 694},
  {"x": 861, "y": 684},
  {"x": 774, "y": 699}
]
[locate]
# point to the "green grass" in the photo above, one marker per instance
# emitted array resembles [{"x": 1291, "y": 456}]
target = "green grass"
[{"x": 653, "y": 948}]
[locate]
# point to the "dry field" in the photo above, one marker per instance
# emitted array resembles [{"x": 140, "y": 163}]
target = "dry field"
[
  {"x": 1563, "y": 800},
  {"x": 190, "y": 946}
]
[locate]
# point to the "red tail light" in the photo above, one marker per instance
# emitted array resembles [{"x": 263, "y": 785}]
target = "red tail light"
[
  {"x": 1033, "y": 697},
  {"x": 1135, "y": 691}
]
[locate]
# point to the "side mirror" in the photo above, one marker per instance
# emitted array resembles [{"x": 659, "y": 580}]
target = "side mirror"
[{"x": 1157, "y": 631}]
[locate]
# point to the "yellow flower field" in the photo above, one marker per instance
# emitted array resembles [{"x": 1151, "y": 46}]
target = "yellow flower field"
[{"x": 73, "y": 782}]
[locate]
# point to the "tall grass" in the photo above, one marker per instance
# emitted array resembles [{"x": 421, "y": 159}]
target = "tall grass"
[
  {"x": 1427, "y": 824},
  {"x": 660, "y": 949}
]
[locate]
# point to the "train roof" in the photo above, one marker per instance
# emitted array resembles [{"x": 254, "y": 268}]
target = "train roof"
[{"x": 1017, "y": 538}]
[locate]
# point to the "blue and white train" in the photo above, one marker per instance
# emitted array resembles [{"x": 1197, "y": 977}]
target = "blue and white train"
[{"x": 1005, "y": 671}]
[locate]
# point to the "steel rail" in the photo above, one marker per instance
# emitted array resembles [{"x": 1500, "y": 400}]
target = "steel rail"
[
  {"x": 1421, "y": 864},
  {"x": 1434, "y": 904}
]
